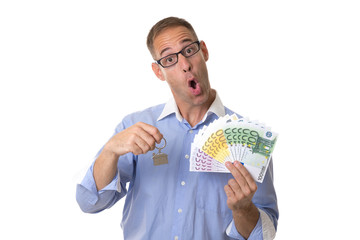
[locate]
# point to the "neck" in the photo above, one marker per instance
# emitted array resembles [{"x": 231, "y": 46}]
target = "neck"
[{"x": 195, "y": 113}]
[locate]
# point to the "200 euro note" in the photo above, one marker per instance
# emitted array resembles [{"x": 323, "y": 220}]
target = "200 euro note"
[{"x": 232, "y": 139}]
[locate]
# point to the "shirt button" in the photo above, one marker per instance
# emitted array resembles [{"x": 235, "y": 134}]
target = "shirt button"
[
  {"x": 182, "y": 183},
  {"x": 176, "y": 237},
  {"x": 187, "y": 156},
  {"x": 191, "y": 131},
  {"x": 179, "y": 210}
]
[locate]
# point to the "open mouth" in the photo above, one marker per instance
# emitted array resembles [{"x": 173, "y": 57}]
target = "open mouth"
[{"x": 192, "y": 84}]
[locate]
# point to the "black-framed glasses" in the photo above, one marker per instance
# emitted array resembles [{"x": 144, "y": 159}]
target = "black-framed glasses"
[{"x": 172, "y": 59}]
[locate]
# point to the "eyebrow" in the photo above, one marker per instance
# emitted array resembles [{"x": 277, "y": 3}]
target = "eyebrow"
[{"x": 166, "y": 49}]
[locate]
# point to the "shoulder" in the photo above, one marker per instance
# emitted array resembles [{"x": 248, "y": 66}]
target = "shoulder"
[
  {"x": 148, "y": 115},
  {"x": 231, "y": 112}
]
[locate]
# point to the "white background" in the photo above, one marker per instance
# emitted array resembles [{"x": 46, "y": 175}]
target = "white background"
[{"x": 71, "y": 70}]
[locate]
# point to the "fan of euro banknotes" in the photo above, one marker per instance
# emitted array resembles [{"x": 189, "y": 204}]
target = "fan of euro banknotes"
[{"x": 232, "y": 139}]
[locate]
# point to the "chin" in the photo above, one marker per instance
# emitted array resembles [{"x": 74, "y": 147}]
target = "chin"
[{"x": 200, "y": 99}]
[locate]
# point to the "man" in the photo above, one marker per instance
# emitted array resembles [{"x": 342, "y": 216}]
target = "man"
[{"x": 168, "y": 201}]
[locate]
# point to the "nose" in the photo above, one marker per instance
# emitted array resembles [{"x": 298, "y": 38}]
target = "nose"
[{"x": 184, "y": 63}]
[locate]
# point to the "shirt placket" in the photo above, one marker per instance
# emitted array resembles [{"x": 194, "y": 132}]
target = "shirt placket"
[{"x": 182, "y": 200}]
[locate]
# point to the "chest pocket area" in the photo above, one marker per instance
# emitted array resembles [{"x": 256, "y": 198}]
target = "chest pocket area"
[{"x": 210, "y": 194}]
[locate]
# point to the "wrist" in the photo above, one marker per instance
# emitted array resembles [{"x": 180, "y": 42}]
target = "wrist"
[
  {"x": 250, "y": 210},
  {"x": 109, "y": 153},
  {"x": 245, "y": 220}
]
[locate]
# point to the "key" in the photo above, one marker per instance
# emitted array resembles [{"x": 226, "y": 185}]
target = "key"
[{"x": 160, "y": 158}]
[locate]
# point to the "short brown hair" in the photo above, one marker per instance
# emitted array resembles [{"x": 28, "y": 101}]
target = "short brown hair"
[{"x": 165, "y": 24}]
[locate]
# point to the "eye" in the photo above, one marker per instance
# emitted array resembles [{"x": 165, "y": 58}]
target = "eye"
[
  {"x": 169, "y": 59},
  {"x": 189, "y": 50}
]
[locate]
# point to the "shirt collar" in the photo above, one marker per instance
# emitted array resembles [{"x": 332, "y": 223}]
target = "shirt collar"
[{"x": 170, "y": 107}]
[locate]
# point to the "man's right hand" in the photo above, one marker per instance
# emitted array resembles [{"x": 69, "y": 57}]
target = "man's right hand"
[{"x": 138, "y": 139}]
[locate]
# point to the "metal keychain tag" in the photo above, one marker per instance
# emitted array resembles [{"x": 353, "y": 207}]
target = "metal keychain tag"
[{"x": 160, "y": 158}]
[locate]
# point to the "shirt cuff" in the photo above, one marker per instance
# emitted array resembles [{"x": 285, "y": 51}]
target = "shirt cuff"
[
  {"x": 264, "y": 229},
  {"x": 268, "y": 228},
  {"x": 255, "y": 234},
  {"x": 88, "y": 186},
  {"x": 114, "y": 185}
]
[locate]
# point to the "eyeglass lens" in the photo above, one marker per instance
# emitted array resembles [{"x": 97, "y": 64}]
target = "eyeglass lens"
[{"x": 172, "y": 59}]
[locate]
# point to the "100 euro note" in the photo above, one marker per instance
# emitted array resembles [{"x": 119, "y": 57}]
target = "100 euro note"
[{"x": 232, "y": 139}]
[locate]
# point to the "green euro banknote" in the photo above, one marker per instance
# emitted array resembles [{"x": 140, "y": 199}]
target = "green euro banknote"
[{"x": 231, "y": 139}]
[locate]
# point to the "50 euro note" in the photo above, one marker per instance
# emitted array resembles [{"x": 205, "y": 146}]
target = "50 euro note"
[{"x": 231, "y": 139}]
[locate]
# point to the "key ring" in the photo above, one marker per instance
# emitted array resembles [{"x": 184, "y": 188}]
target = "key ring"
[{"x": 163, "y": 146}]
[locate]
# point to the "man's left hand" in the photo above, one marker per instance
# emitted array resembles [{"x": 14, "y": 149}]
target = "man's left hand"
[
  {"x": 240, "y": 192},
  {"x": 240, "y": 189}
]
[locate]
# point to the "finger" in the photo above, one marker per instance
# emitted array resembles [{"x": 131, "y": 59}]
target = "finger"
[
  {"x": 235, "y": 172},
  {"x": 235, "y": 187},
  {"x": 153, "y": 131},
  {"x": 247, "y": 176},
  {"x": 149, "y": 139},
  {"x": 240, "y": 179},
  {"x": 142, "y": 145},
  {"x": 229, "y": 192},
  {"x": 136, "y": 149}
]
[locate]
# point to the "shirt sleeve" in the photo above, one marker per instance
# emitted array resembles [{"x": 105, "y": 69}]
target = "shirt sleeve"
[
  {"x": 264, "y": 229},
  {"x": 255, "y": 234},
  {"x": 90, "y": 199},
  {"x": 266, "y": 202}
]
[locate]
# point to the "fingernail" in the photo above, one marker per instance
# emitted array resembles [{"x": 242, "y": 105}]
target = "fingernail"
[
  {"x": 238, "y": 164},
  {"x": 227, "y": 163}
]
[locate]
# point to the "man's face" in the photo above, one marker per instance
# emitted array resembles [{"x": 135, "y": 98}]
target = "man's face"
[{"x": 188, "y": 78}]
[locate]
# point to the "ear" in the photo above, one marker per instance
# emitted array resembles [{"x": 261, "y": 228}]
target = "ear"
[
  {"x": 204, "y": 50},
  {"x": 156, "y": 69}
]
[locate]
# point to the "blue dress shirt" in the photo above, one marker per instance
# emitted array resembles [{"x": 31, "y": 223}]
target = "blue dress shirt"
[{"x": 168, "y": 201}]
